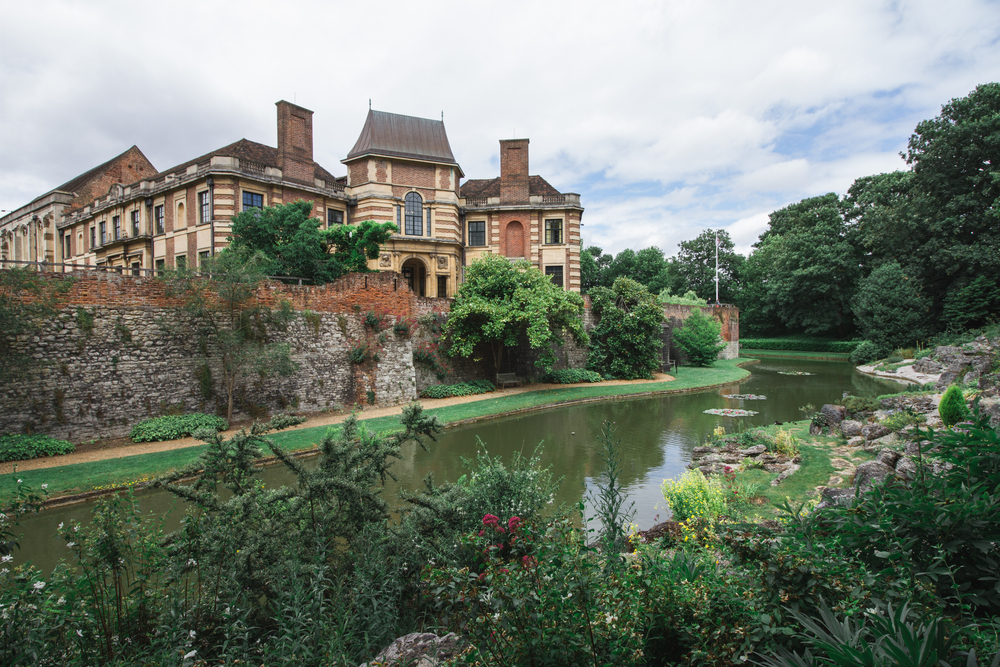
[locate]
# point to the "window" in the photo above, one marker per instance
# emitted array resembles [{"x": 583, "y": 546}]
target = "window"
[
  {"x": 180, "y": 261},
  {"x": 556, "y": 274},
  {"x": 161, "y": 264},
  {"x": 93, "y": 237},
  {"x": 104, "y": 232},
  {"x": 135, "y": 223},
  {"x": 428, "y": 221},
  {"x": 158, "y": 219},
  {"x": 477, "y": 232},
  {"x": 414, "y": 214},
  {"x": 553, "y": 231},
  {"x": 399, "y": 218},
  {"x": 205, "y": 206},
  {"x": 442, "y": 286},
  {"x": 202, "y": 258},
  {"x": 67, "y": 251},
  {"x": 334, "y": 217},
  {"x": 116, "y": 224},
  {"x": 252, "y": 200},
  {"x": 136, "y": 266}
]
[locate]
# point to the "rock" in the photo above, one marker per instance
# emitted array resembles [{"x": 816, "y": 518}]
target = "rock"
[
  {"x": 870, "y": 473},
  {"x": 835, "y": 498},
  {"x": 890, "y": 440},
  {"x": 982, "y": 363},
  {"x": 702, "y": 450},
  {"x": 946, "y": 351},
  {"x": 753, "y": 451},
  {"x": 970, "y": 377},
  {"x": 711, "y": 468},
  {"x": 928, "y": 366},
  {"x": 906, "y": 468},
  {"x": 946, "y": 379},
  {"x": 720, "y": 458},
  {"x": 784, "y": 475},
  {"x": 874, "y": 431},
  {"x": 856, "y": 441},
  {"x": 834, "y": 413},
  {"x": 815, "y": 429},
  {"x": 850, "y": 428},
  {"x": 888, "y": 457},
  {"x": 420, "y": 649},
  {"x": 777, "y": 467}
]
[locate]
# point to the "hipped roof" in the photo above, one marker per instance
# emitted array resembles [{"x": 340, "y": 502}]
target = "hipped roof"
[{"x": 395, "y": 135}]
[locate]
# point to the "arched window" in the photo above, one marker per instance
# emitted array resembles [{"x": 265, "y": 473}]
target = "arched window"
[{"x": 414, "y": 214}]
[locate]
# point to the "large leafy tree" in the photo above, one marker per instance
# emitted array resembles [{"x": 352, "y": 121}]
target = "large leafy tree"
[
  {"x": 696, "y": 266},
  {"x": 890, "y": 308},
  {"x": 501, "y": 301},
  {"x": 626, "y": 342},
  {"x": 294, "y": 244},
  {"x": 233, "y": 326}
]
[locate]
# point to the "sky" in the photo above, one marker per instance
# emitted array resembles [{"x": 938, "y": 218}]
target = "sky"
[{"x": 668, "y": 118}]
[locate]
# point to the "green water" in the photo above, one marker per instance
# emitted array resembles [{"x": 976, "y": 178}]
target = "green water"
[{"x": 657, "y": 434}]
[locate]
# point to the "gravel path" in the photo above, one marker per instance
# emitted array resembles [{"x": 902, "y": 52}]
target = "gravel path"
[{"x": 314, "y": 421}]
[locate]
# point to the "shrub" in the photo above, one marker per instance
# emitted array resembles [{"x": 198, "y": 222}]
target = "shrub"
[
  {"x": 460, "y": 389},
  {"x": 785, "y": 443},
  {"x": 857, "y": 404},
  {"x": 890, "y": 308},
  {"x": 798, "y": 344},
  {"x": 866, "y": 352},
  {"x": 699, "y": 338},
  {"x": 694, "y": 495},
  {"x": 571, "y": 376},
  {"x": 20, "y": 447},
  {"x": 172, "y": 427},
  {"x": 898, "y": 419},
  {"x": 690, "y": 298},
  {"x": 627, "y": 340},
  {"x": 952, "y": 407}
]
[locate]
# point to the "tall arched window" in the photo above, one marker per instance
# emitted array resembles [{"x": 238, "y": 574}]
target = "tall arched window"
[{"x": 414, "y": 214}]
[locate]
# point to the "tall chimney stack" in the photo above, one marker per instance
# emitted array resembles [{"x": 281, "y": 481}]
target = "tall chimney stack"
[
  {"x": 295, "y": 142},
  {"x": 513, "y": 171}
]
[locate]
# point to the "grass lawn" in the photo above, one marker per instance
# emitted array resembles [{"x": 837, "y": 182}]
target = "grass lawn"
[
  {"x": 111, "y": 473},
  {"x": 795, "y": 353}
]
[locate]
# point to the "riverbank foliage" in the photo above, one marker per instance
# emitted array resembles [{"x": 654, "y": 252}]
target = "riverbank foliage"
[
  {"x": 699, "y": 338},
  {"x": 316, "y": 574},
  {"x": 20, "y": 447},
  {"x": 626, "y": 343},
  {"x": 797, "y": 344},
  {"x": 172, "y": 427},
  {"x": 461, "y": 389}
]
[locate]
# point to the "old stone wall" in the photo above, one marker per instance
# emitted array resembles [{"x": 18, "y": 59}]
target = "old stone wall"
[{"x": 727, "y": 316}]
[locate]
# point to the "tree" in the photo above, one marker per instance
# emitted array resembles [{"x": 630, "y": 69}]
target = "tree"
[
  {"x": 696, "y": 266},
  {"x": 890, "y": 309},
  {"x": 232, "y": 323},
  {"x": 294, "y": 244},
  {"x": 626, "y": 342},
  {"x": 26, "y": 299},
  {"x": 501, "y": 301},
  {"x": 699, "y": 338}
]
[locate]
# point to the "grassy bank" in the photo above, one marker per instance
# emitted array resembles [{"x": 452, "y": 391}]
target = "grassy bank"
[
  {"x": 834, "y": 356},
  {"x": 113, "y": 473}
]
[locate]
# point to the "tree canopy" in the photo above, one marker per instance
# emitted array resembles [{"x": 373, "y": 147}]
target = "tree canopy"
[
  {"x": 696, "y": 266},
  {"x": 501, "y": 301},
  {"x": 626, "y": 342},
  {"x": 295, "y": 245}
]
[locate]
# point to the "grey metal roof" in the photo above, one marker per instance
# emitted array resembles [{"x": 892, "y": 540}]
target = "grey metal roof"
[{"x": 395, "y": 135}]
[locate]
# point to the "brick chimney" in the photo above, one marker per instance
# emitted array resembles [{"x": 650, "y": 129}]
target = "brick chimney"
[
  {"x": 513, "y": 171},
  {"x": 295, "y": 142}
]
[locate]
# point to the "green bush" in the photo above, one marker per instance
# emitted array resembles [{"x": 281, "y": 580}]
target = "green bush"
[
  {"x": 627, "y": 340},
  {"x": 952, "y": 407},
  {"x": 855, "y": 404},
  {"x": 694, "y": 495},
  {"x": 571, "y": 376},
  {"x": 172, "y": 427},
  {"x": 22, "y": 447},
  {"x": 460, "y": 389},
  {"x": 798, "y": 344},
  {"x": 699, "y": 338},
  {"x": 690, "y": 298},
  {"x": 864, "y": 353}
]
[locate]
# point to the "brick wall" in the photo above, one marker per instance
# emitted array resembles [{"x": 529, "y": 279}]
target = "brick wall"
[
  {"x": 513, "y": 171},
  {"x": 413, "y": 175}
]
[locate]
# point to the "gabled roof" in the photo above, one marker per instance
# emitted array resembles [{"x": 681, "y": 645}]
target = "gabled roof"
[
  {"x": 395, "y": 135},
  {"x": 490, "y": 187},
  {"x": 81, "y": 180}
]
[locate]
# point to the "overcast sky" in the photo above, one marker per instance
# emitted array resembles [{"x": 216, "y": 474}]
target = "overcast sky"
[{"x": 667, "y": 117}]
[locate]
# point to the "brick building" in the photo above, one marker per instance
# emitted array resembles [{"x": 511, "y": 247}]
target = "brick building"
[{"x": 125, "y": 215}]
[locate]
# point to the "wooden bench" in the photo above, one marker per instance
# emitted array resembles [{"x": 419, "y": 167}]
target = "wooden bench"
[{"x": 504, "y": 379}]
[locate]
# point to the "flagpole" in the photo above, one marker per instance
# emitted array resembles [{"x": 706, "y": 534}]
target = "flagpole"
[{"x": 716, "y": 266}]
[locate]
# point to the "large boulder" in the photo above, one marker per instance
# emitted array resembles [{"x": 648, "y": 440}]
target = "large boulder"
[
  {"x": 753, "y": 451},
  {"x": 850, "y": 428},
  {"x": 906, "y": 468},
  {"x": 834, "y": 413},
  {"x": 420, "y": 649},
  {"x": 946, "y": 379},
  {"x": 856, "y": 441},
  {"x": 835, "y": 498},
  {"x": 888, "y": 457},
  {"x": 928, "y": 366},
  {"x": 874, "y": 431},
  {"x": 870, "y": 473}
]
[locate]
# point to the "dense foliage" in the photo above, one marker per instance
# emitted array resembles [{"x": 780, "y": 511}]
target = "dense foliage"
[
  {"x": 461, "y": 389},
  {"x": 797, "y": 343},
  {"x": 570, "y": 376},
  {"x": 699, "y": 338},
  {"x": 296, "y": 245},
  {"x": 626, "y": 343},
  {"x": 20, "y": 447},
  {"x": 172, "y": 427},
  {"x": 503, "y": 302},
  {"x": 952, "y": 408}
]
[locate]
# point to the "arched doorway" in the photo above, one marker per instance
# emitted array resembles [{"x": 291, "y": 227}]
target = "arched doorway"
[
  {"x": 415, "y": 275},
  {"x": 514, "y": 239}
]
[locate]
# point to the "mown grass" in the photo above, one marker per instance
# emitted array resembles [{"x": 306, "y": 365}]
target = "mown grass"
[{"x": 111, "y": 473}]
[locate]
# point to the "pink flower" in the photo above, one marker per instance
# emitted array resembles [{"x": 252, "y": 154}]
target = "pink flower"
[
  {"x": 490, "y": 520},
  {"x": 514, "y": 523}
]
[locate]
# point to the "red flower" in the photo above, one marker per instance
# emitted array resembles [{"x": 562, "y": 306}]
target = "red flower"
[{"x": 514, "y": 523}]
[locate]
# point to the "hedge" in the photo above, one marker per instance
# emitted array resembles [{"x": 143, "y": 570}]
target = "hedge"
[
  {"x": 460, "y": 389},
  {"x": 21, "y": 447},
  {"x": 571, "y": 376},
  {"x": 799, "y": 344},
  {"x": 172, "y": 427}
]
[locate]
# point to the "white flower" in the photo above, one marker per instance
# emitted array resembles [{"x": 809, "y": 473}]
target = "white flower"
[
  {"x": 192, "y": 562},
  {"x": 39, "y": 585},
  {"x": 71, "y": 544},
  {"x": 189, "y": 655},
  {"x": 60, "y": 525},
  {"x": 6, "y": 559},
  {"x": 193, "y": 634},
  {"x": 19, "y": 481},
  {"x": 79, "y": 633},
  {"x": 45, "y": 486},
  {"x": 4, "y": 571},
  {"x": 61, "y": 601}
]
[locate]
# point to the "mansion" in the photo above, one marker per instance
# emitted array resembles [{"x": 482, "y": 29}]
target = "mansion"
[{"x": 126, "y": 216}]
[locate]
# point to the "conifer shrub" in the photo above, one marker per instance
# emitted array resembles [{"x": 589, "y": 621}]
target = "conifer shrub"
[
  {"x": 952, "y": 407},
  {"x": 172, "y": 427}
]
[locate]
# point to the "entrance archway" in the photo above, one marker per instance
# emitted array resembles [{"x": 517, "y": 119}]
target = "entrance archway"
[
  {"x": 415, "y": 275},
  {"x": 514, "y": 239}
]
